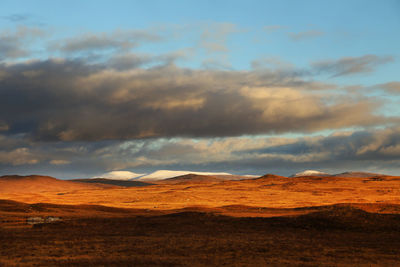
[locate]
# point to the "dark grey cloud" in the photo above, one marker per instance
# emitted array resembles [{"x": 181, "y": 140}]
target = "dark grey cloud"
[
  {"x": 351, "y": 65},
  {"x": 299, "y": 36},
  {"x": 373, "y": 150},
  {"x": 125, "y": 61},
  {"x": 377, "y": 145},
  {"x": 70, "y": 100},
  {"x": 3, "y": 126}
]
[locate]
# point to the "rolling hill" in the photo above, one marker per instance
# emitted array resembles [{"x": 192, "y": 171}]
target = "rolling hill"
[
  {"x": 125, "y": 183},
  {"x": 165, "y": 174},
  {"x": 38, "y": 183},
  {"x": 190, "y": 178}
]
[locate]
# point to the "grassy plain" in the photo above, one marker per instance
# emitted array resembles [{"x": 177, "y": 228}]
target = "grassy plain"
[{"x": 308, "y": 221}]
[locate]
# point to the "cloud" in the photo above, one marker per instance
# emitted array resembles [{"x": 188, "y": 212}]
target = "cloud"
[
  {"x": 360, "y": 145},
  {"x": 120, "y": 40},
  {"x": 218, "y": 62},
  {"x": 13, "y": 43},
  {"x": 272, "y": 63},
  {"x": 215, "y": 37},
  {"x": 373, "y": 150},
  {"x": 333, "y": 150},
  {"x": 390, "y": 87},
  {"x": 305, "y": 35},
  {"x": 126, "y": 61},
  {"x": 59, "y": 162},
  {"x": 27, "y": 19},
  {"x": 4, "y": 126},
  {"x": 17, "y": 17},
  {"x": 18, "y": 156},
  {"x": 137, "y": 112},
  {"x": 351, "y": 65},
  {"x": 70, "y": 100}
]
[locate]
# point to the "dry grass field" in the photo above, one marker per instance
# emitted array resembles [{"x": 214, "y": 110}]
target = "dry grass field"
[
  {"x": 269, "y": 191},
  {"x": 272, "y": 220}
]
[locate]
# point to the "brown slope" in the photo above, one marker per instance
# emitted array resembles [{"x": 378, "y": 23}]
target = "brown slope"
[
  {"x": 35, "y": 183},
  {"x": 233, "y": 177},
  {"x": 190, "y": 178},
  {"x": 271, "y": 176},
  {"x": 267, "y": 178},
  {"x": 123, "y": 183},
  {"x": 358, "y": 175}
]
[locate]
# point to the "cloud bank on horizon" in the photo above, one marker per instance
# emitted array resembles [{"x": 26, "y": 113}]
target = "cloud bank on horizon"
[{"x": 247, "y": 96}]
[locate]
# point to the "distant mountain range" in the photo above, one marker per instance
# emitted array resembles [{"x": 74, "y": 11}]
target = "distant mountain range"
[
  {"x": 167, "y": 174},
  {"x": 16, "y": 183},
  {"x": 308, "y": 173},
  {"x": 38, "y": 183}
]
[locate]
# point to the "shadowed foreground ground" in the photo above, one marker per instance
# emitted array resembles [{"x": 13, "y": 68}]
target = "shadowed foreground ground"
[{"x": 332, "y": 235}]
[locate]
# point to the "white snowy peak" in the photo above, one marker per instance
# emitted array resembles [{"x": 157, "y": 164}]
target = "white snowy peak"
[
  {"x": 310, "y": 173},
  {"x": 120, "y": 175}
]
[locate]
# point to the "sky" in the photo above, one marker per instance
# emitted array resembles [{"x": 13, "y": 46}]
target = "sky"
[{"x": 245, "y": 87}]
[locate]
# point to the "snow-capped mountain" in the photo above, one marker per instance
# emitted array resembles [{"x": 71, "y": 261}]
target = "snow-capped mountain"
[
  {"x": 120, "y": 175},
  {"x": 165, "y": 174},
  {"x": 310, "y": 173}
]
